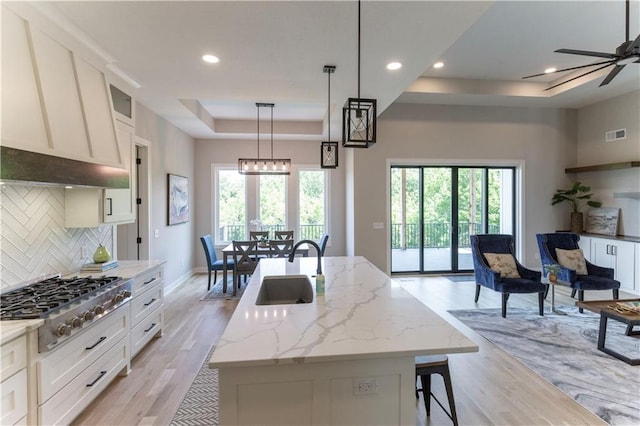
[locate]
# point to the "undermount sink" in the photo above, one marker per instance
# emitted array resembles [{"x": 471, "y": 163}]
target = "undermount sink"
[{"x": 285, "y": 290}]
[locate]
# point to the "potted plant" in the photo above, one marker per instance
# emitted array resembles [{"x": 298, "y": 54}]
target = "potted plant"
[{"x": 575, "y": 195}]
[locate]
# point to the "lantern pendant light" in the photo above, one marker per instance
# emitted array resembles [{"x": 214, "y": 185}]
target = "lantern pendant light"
[
  {"x": 329, "y": 148},
  {"x": 359, "y": 115},
  {"x": 264, "y": 166}
]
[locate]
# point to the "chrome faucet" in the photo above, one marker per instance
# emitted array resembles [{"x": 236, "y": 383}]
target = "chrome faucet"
[{"x": 313, "y": 243}]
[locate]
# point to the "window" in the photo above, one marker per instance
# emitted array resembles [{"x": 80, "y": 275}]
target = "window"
[
  {"x": 230, "y": 205},
  {"x": 272, "y": 201},
  {"x": 312, "y": 203},
  {"x": 298, "y": 202}
]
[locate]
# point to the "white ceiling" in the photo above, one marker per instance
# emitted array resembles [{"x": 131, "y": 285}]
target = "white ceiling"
[{"x": 275, "y": 51}]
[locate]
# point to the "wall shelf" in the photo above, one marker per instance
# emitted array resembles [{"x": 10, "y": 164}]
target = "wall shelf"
[
  {"x": 603, "y": 167},
  {"x": 632, "y": 195}
]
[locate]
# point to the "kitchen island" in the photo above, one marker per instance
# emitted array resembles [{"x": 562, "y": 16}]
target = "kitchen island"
[{"x": 346, "y": 358}]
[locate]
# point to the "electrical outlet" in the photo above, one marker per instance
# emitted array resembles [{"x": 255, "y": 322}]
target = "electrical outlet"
[
  {"x": 365, "y": 386},
  {"x": 83, "y": 252},
  {"x": 156, "y": 233}
]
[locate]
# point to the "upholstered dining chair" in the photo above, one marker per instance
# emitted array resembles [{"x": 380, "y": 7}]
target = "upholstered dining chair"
[
  {"x": 258, "y": 235},
  {"x": 245, "y": 256},
  {"x": 323, "y": 243},
  {"x": 496, "y": 267},
  {"x": 283, "y": 235},
  {"x": 560, "y": 250},
  {"x": 280, "y": 248},
  {"x": 213, "y": 264}
]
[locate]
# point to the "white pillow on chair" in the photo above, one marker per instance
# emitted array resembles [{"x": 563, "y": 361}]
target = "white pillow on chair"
[
  {"x": 503, "y": 263},
  {"x": 572, "y": 259}
]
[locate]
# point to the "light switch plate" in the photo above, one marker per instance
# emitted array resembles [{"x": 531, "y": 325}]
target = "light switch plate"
[{"x": 378, "y": 225}]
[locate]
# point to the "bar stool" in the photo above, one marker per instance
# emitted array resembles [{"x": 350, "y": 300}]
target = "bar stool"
[{"x": 435, "y": 364}]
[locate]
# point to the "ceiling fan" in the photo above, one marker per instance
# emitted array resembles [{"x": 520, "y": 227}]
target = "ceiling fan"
[{"x": 627, "y": 53}]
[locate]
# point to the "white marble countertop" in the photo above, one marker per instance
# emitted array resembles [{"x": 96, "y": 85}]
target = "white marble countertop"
[
  {"x": 364, "y": 314},
  {"x": 126, "y": 268},
  {"x": 9, "y": 330}
]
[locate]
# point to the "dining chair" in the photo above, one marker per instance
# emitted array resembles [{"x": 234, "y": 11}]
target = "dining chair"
[
  {"x": 213, "y": 264},
  {"x": 280, "y": 248},
  {"x": 323, "y": 243},
  {"x": 245, "y": 256},
  {"x": 258, "y": 235},
  {"x": 283, "y": 235}
]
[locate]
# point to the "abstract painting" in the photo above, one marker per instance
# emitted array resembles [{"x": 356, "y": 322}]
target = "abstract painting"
[
  {"x": 178, "y": 199},
  {"x": 603, "y": 221}
]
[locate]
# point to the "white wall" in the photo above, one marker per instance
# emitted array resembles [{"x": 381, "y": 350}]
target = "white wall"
[
  {"x": 544, "y": 140},
  {"x": 227, "y": 152},
  {"x": 593, "y": 122},
  {"x": 172, "y": 151}
]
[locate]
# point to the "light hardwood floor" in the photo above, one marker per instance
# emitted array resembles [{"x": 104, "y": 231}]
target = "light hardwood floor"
[{"x": 490, "y": 387}]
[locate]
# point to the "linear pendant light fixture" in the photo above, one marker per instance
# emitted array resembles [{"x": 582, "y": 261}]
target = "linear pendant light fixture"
[
  {"x": 329, "y": 148},
  {"x": 264, "y": 166},
  {"x": 359, "y": 115}
]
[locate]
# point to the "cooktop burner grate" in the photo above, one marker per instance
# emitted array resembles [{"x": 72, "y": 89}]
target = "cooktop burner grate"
[{"x": 45, "y": 297}]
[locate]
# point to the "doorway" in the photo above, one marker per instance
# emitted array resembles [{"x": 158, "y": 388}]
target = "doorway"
[{"x": 434, "y": 210}]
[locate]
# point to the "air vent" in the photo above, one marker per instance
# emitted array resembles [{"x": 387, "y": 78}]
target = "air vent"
[{"x": 615, "y": 135}]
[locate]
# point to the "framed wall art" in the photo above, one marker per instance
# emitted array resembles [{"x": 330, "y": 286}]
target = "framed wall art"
[
  {"x": 177, "y": 199},
  {"x": 603, "y": 221}
]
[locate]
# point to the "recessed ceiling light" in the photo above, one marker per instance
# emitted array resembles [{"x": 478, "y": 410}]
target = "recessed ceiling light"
[
  {"x": 438, "y": 65},
  {"x": 394, "y": 66},
  {"x": 550, "y": 70},
  {"x": 210, "y": 59}
]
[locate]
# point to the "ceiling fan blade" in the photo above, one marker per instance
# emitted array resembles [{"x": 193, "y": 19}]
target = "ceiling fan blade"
[
  {"x": 587, "y": 53},
  {"x": 575, "y": 78},
  {"x": 569, "y": 69},
  {"x": 612, "y": 74}
]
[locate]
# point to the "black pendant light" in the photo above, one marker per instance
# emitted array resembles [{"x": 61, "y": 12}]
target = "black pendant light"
[
  {"x": 359, "y": 115},
  {"x": 329, "y": 148},
  {"x": 264, "y": 166}
]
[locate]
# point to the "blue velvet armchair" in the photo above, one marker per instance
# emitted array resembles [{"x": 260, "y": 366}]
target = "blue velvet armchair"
[
  {"x": 597, "y": 278},
  {"x": 529, "y": 281}
]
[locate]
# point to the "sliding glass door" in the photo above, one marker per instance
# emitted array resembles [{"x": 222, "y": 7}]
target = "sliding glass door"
[{"x": 434, "y": 210}]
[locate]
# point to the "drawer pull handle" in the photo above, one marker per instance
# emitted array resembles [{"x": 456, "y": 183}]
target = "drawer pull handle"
[
  {"x": 150, "y": 281},
  {"x": 150, "y": 302},
  {"x": 102, "y": 373},
  {"x": 150, "y": 327},
  {"x": 100, "y": 340}
]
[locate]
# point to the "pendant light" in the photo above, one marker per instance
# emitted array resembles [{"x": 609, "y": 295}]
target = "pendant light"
[
  {"x": 329, "y": 148},
  {"x": 264, "y": 166},
  {"x": 359, "y": 115}
]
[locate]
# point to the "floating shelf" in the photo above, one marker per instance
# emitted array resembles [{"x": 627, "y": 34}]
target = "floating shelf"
[
  {"x": 632, "y": 195},
  {"x": 603, "y": 167}
]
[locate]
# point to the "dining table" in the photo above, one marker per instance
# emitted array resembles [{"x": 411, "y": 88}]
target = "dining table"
[{"x": 262, "y": 250}]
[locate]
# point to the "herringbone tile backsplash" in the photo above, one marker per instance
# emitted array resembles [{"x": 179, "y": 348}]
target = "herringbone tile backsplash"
[{"x": 33, "y": 239}]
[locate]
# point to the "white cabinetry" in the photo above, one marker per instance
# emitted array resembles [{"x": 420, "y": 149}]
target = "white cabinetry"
[
  {"x": 585, "y": 245},
  {"x": 92, "y": 207},
  {"x": 70, "y": 377},
  {"x": 619, "y": 255},
  {"x": 53, "y": 101},
  {"x": 147, "y": 308},
  {"x": 13, "y": 382}
]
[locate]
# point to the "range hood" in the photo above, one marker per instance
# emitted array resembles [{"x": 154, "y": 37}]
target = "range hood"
[{"x": 30, "y": 167}]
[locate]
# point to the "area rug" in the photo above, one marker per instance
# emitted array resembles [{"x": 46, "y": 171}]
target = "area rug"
[
  {"x": 562, "y": 350},
  {"x": 216, "y": 292},
  {"x": 200, "y": 404},
  {"x": 457, "y": 278}
]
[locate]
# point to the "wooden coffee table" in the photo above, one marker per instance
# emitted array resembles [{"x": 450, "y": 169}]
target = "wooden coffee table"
[{"x": 602, "y": 307}]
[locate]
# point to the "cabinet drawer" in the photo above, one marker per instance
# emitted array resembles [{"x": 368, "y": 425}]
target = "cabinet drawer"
[
  {"x": 14, "y": 357},
  {"x": 142, "y": 282},
  {"x": 59, "y": 367},
  {"x": 65, "y": 405},
  {"x": 146, "y": 303},
  {"x": 14, "y": 398},
  {"x": 143, "y": 332}
]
